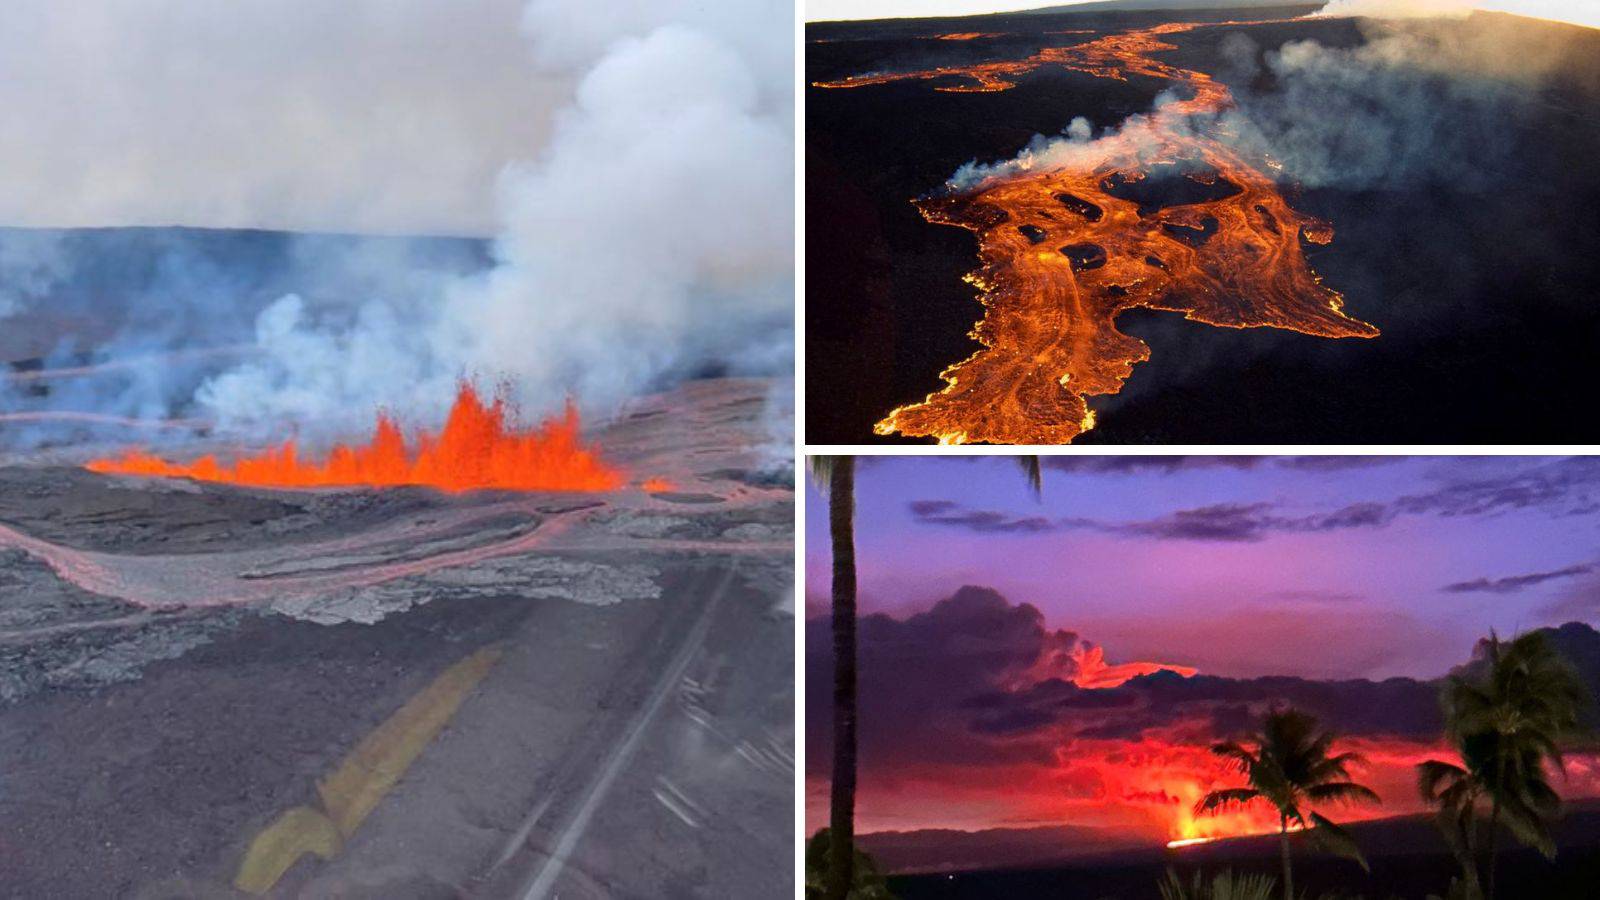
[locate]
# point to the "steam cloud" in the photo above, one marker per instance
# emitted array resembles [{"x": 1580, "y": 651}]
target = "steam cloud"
[
  {"x": 1416, "y": 101},
  {"x": 1575, "y": 11},
  {"x": 636, "y": 168}
]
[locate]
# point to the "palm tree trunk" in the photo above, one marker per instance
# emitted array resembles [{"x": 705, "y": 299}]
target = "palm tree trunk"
[
  {"x": 841, "y": 821},
  {"x": 1283, "y": 846},
  {"x": 1494, "y": 816}
]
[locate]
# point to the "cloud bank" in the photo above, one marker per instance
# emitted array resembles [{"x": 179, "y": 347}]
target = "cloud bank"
[
  {"x": 1561, "y": 487},
  {"x": 972, "y": 716}
]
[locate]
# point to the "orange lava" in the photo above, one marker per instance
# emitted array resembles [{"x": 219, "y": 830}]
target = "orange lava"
[
  {"x": 478, "y": 448},
  {"x": 1064, "y": 251},
  {"x": 1095, "y": 672},
  {"x": 657, "y": 485}
]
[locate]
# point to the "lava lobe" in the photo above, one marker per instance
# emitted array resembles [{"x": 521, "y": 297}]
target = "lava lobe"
[{"x": 1159, "y": 213}]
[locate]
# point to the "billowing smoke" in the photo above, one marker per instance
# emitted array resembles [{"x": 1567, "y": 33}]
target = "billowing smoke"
[
  {"x": 362, "y": 115},
  {"x": 1578, "y": 12},
  {"x": 635, "y": 165},
  {"x": 1395, "y": 9},
  {"x": 1414, "y": 102},
  {"x": 1383, "y": 114},
  {"x": 131, "y": 322},
  {"x": 30, "y": 263}
]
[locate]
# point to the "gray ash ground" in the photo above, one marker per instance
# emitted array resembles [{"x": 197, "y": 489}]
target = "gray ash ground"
[{"x": 181, "y": 662}]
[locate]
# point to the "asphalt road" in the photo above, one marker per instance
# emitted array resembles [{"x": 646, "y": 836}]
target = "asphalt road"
[{"x": 637, "y": 749}]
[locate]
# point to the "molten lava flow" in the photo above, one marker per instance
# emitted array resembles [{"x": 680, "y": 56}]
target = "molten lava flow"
[
  {"x": 1067, "y": 247},
  {"x": 657, "y": 485},
  {"x": 478, "y": 448}
]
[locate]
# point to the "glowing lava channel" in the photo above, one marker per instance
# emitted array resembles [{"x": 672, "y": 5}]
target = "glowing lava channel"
[
  {"x": 479, "y": 448},
  {"x": 1065, "y": 250}
]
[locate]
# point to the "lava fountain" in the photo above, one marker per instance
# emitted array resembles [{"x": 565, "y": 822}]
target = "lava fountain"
[
  {"x": 1072, "y": 238},
  {"x": 479, "y": 448}
]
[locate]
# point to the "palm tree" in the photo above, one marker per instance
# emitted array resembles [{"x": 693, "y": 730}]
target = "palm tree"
[
  {"x": 867, "y": 882},
  {"x": 1458, "y": 791},
  {"x": 1290, "y": 768},
  {"x": 1507, "y": 715},
  {"x": 836, "y": 475}
]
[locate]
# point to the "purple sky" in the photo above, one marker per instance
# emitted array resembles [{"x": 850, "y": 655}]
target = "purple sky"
[{"x": 1326, "y": 567}]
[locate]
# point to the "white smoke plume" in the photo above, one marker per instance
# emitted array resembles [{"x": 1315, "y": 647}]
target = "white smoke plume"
[
  {"x": 1396, "y": 9},
  {"x": 360, "y": 115},
  {"x": 633, "y": 160},
  {"x": 30, "y": 263},
  {"x": 1577, "y": 12},
  {"x": 653, "y": 231},
  {"x": 1419, "y": 100}
]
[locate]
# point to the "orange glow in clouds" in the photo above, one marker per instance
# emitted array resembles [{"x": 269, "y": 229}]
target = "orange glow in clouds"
[
  {"x": 478, "y": 448},
  {"x": 1138, "y": 789},
  {"x": 1095, "y": 672}
]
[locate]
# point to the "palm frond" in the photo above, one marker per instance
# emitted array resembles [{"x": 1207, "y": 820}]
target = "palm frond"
[
  {"x": 1336, "y": 840},
  {"x": 1226, "y": 885},
  {"x": 1342, "y": 792},
  {"x": 822, "y": 469},
  {"x": 1435, "y": 777},
  {"x": 1032, "y": 471},
  {"x": 1527, "y": 825},
  {"x": 1219, "y": 800}
]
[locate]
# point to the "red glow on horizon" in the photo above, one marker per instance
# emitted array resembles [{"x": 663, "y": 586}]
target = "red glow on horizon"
[{"x": 1140, "y": 790}]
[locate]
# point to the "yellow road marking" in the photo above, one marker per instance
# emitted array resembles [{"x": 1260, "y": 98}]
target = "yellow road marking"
[
  {"x": 299, "y": 831},
  {"x": 363, "y": 778}
]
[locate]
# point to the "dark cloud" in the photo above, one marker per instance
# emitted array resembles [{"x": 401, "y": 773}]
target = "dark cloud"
[
  {"x": 977, "y": 680},
  {"x": 1513, "y": 583},
  {"x": 924, "y": 679},
  {"x": 1336, "y": 463},
  {"x": 1250, "y": 522},
  {"x": 1168, "y": 464},
  {"x": 983, "y": 521},
  {"x": 1569, "y": 486},
  {"x": 1137, "y": 465},
  {"x": 1561, "y": 487},
  {"x": 1219, "y": 522}
]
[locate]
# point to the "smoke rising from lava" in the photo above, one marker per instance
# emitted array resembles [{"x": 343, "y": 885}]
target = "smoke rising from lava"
[
  {"x": 1414, "y": 101},
  {"x": 1577, "y": 12},
  {"x": 644, "y": 228}
]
